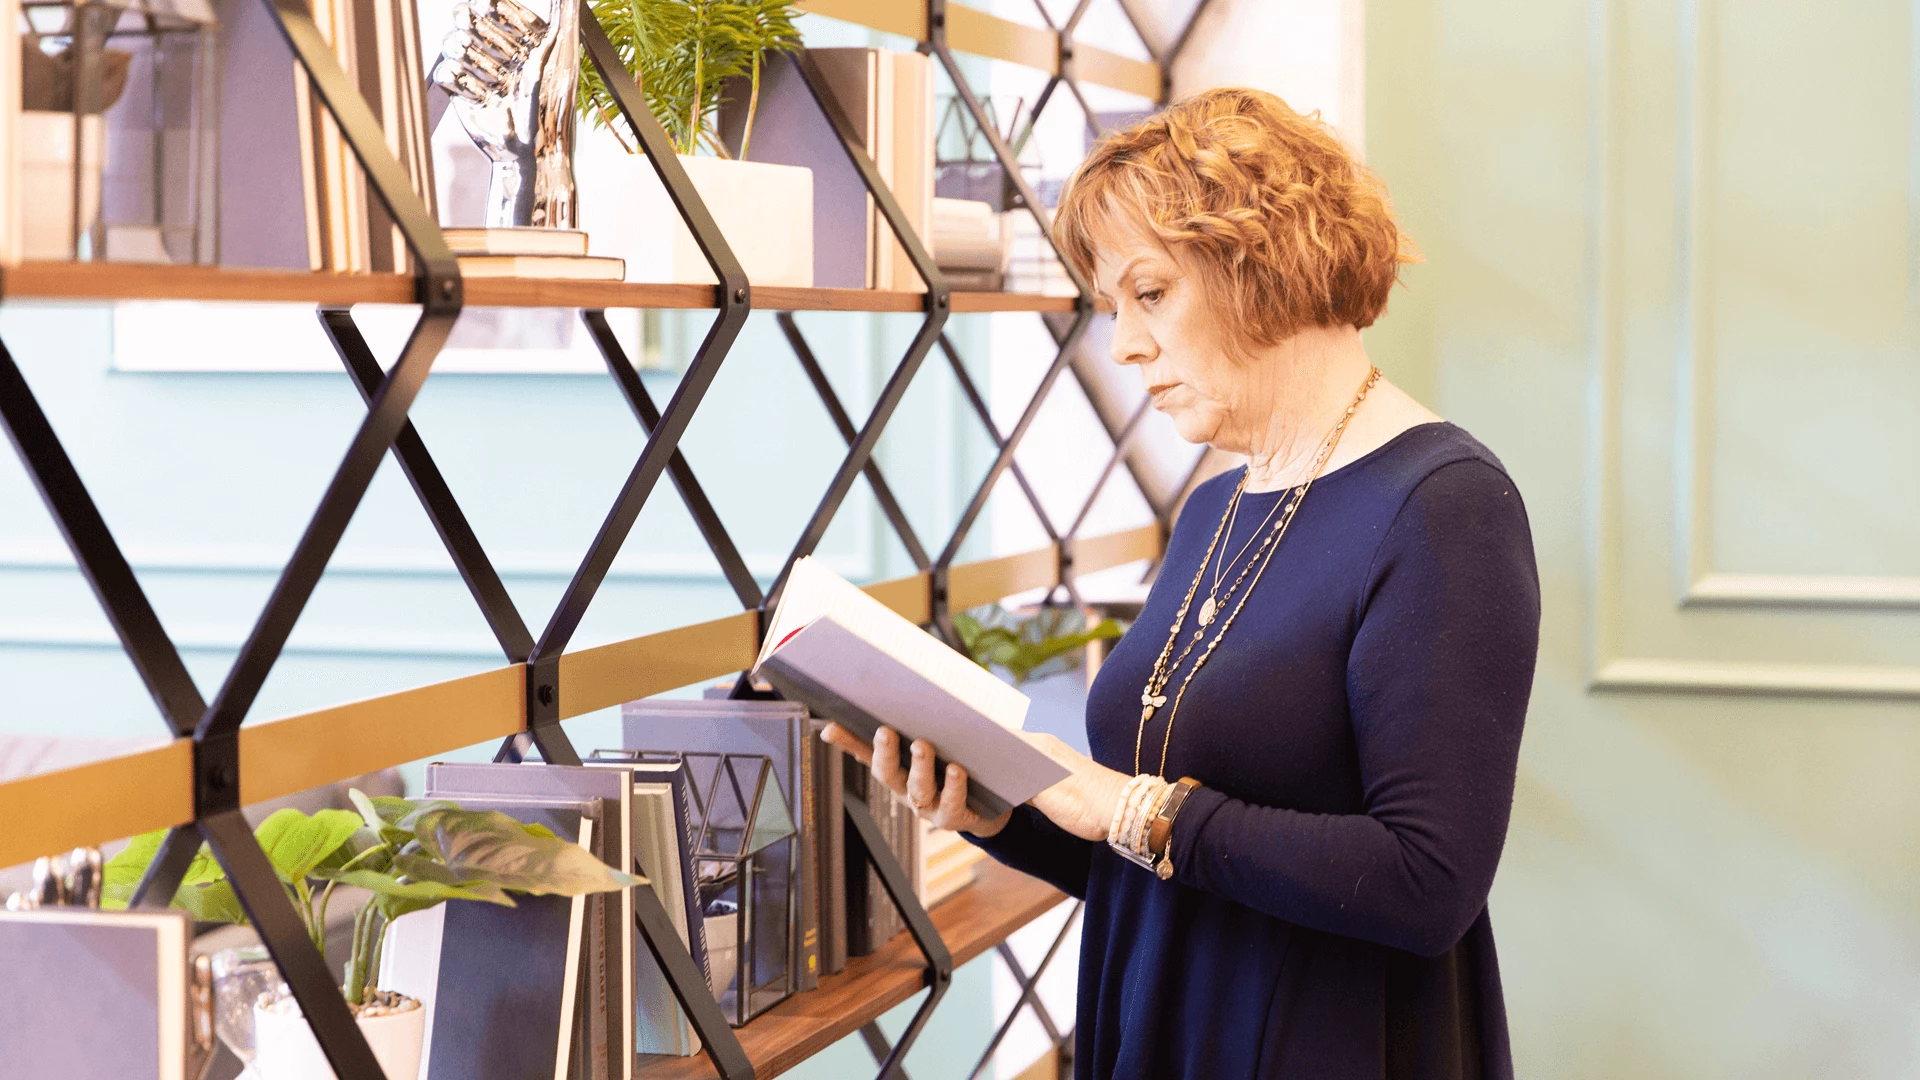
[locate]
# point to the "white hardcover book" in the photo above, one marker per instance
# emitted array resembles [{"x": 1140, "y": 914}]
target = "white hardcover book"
[
  {"x": 849, "y": 657},
  {"x": 93, "y": 995},
  {"x": 661, "y": 1025},
  {"x": 911, "y": 158}
]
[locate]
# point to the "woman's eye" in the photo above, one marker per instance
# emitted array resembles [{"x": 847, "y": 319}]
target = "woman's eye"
[{"x": 1149, "y": 296}]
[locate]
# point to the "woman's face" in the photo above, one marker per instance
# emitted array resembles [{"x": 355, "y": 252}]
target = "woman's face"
[{"x": 1164, "y": 325}]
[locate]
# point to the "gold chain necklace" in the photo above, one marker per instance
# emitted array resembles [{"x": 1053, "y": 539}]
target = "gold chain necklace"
[{"x": 1154, "y": 696}]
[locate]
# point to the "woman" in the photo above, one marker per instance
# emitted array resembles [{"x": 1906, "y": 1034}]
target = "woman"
[{"x": 1304, "y": 749}]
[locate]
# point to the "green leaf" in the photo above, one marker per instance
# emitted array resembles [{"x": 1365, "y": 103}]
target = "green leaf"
[
  {"x": 296, "y": 843},
  {"x": 123, "y": 872},
  {"x": 211, "y": 901},
  {"x": 394, "y": 897},
  {"x": 487, "y": 845}
]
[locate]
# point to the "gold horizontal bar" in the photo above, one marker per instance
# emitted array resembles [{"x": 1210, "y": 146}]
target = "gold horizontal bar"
[
  {"x": 971, "y": 30},
  {"x": 280, "y": 757},
  {"x": 989, "y": 580},
  {"x": 152, "y": 789},
  {"x": 1116, "y": 549},
  {"x": 123, "y": 796},
  {"x": 910, "y": 597},
  {"x": 640, "y": 667}
]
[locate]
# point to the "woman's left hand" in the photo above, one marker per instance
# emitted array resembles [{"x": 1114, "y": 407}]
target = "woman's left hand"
[{"x": 1083, "y": 803}]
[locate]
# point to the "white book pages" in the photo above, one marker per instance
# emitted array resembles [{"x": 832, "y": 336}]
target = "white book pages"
[{"x": 815, "y": 592}]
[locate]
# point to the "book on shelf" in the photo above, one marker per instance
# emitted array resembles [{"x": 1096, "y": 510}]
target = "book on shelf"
[
  {"x": 96, "y": 995},
  {"x": 569, "y": 267},
  {"x": 968, "y": 235},
  {"x": 378, "y": 45},
  {"x": 515, "y": 241},
  {"x": 611, "y": 1009},
  {"x": 509, "y": 992},
  {"x": 872, "y": 917},
  {"x": 783, "y": 732},
  {"x": 846, "y": 655},
  {"x": 663, "y": 852},
  {"x": 888, "y": 98},
  {"x": 10, "y": 164}
]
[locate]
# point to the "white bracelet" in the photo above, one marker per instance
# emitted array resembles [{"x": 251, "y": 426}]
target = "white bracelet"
[
  {"x": 1133, "y": 813},
  {"x": 1123, "y": 808},
  {"x": 1143, "y": 816}
]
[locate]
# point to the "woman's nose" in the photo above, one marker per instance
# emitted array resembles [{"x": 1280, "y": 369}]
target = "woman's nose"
[{"x": 1129, "y": 346}]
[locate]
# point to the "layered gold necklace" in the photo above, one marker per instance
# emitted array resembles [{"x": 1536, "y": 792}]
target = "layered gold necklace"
[{"x": 1269, "y": 532}]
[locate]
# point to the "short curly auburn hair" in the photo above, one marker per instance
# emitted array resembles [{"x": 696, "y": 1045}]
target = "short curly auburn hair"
[{"x": 1290, "y": 230}]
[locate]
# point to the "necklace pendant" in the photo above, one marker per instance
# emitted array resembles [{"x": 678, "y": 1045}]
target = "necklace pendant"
[
  {"x": 1146, "y": 713},
  {"x": 1207, "y": 611}
]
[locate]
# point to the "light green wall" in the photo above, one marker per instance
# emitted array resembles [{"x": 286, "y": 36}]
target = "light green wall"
[{"x": 1670, "y": 280}]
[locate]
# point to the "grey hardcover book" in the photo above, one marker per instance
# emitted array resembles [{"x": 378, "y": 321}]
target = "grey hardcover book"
[
  {"x": 790, "y": 129},
  {"x": 845, "y": 655},
  {"x": 94, "y": 995},
  {"x": 663, "y": 854},
  {"x": 829, "y": 795},
  {"x": 612, "y": 1007},
  {"x": 781, "y": 731},
  {"x": 506, "y": 990}
]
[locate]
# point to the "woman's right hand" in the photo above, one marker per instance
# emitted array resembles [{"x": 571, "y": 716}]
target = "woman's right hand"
[{"x": 943, "y": 804}]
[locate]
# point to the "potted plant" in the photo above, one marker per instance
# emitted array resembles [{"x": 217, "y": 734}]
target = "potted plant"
[
  {"x": 689, "y": 57},
  {"x": 409, "y": 856},
  {"x": 1044, "y": 652}
]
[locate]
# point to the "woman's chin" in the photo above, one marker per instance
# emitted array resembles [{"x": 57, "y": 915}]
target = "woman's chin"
[{"x": 1192, "y": 426}]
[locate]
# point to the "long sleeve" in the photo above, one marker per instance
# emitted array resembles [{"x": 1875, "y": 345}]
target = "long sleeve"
[
  {"x": 1437, "y": 685},
  {"x": 1034, "y": 845}
]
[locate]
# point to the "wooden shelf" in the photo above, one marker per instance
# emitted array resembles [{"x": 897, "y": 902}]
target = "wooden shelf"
[
  {"x": 972, "y": 921},
  {"x": 130, "y": 281}
]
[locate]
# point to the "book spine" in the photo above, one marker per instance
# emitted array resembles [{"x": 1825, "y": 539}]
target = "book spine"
[
  {"x": 10, "y": 104},
  {"x": 833, "y": 863},
  {"x": 859, "y": 934},
  {"x": 807, "y": 903}
]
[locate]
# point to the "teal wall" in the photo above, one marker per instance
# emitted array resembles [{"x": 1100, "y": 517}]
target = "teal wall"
[
  {"x": 1669, "y": 280},
  {"x": 207, "y": 481}
]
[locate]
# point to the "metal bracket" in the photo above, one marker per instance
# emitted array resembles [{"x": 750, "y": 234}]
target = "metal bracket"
[{"x": 926, "y": 936}]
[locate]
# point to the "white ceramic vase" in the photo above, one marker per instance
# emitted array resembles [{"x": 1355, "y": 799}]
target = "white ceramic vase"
[
  {"x": 765, "y": 211},
  {"x": 285, "y": 1049}
]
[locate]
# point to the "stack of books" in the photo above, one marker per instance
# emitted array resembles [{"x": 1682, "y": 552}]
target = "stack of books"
[
  {"x": 531, "y": 253},
  {"x": 1032, "y": 267},
  {"x": 378, "y": 44},
  {"x": 970, "y": 243}
]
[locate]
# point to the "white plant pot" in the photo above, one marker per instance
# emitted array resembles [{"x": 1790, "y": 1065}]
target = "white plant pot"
[
  {"x": 765, "y": 212},
  {"x": 285, "y": 1048}
]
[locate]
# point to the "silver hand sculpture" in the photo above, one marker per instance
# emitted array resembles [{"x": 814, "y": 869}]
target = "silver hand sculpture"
[{"x": 512, "y": 71}]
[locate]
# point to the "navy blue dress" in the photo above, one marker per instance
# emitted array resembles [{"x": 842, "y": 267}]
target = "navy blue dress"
[{"x": 1356, "y": 733}]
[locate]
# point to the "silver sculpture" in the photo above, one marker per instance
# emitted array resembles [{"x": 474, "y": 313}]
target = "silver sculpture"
[{"x": 512, "y": 71}]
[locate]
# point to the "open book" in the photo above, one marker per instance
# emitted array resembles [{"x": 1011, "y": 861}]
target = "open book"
[{"x": 849, "y": 658}]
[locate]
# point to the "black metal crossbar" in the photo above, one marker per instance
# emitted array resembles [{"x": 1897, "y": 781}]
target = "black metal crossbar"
[
  {"x": 389, "y": 394},
  {"x": 893, "y": 878},
  {"x": 837, "y": 412},
  {"x": 1030, "y": 995},
  {"x": 860, "y": 450}
]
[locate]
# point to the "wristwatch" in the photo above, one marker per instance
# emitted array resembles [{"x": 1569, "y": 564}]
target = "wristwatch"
[{"x": 1159, "y": 854}]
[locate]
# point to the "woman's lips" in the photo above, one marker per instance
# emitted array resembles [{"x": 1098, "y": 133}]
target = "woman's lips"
[{"x": 1155, "y": 392}]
